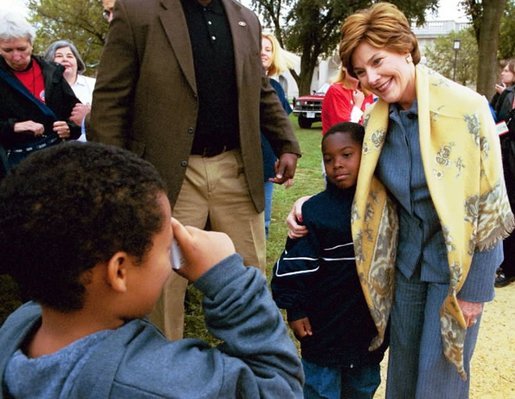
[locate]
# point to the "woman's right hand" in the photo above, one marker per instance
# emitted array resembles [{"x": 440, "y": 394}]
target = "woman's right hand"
[
  {"x": 37, "y": 129},
  {"x": 499, "y": 88},
  {"x": 296, "y": 230},
  {"x": 358, "y": 97}
]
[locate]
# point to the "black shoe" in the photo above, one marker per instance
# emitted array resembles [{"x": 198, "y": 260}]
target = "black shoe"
[{"x": 501, "y": 280}]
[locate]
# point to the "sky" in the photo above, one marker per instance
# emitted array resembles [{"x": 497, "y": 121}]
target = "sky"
[
  {"x": 448, "y": 9},
  {"x": 13, "y": 5}
]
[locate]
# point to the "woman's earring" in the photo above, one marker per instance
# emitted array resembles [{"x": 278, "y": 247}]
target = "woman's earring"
[{"x": 408, "y": 59}]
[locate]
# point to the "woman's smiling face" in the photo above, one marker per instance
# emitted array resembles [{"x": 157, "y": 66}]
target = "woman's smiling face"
[{"x": 387, "y": 74}]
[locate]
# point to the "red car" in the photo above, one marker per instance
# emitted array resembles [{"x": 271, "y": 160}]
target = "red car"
[{"x": 308, "y": 109}]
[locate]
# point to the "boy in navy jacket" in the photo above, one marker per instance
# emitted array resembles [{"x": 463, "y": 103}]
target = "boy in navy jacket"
[{"x": 316, "y": 281}]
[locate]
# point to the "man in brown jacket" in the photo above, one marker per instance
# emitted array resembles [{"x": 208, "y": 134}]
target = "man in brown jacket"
[{"x": 181, "y": 84}]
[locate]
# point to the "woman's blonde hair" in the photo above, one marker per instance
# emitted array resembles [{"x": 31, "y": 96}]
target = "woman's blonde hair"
[
  {"x": 382, "y": 25},
  {"x": 342, "y": 77},
  {"x": 279, "y": 62}
]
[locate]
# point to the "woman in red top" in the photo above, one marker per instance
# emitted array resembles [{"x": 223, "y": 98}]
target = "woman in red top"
[{"x": 343, "y": 102}]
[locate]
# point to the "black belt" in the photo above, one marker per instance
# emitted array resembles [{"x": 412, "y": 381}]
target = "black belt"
[{"x": 212, "y": 150}]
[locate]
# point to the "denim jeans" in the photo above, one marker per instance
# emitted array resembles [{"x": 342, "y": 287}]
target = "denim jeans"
[
  {"x": 269, "y": 191},
  {"x": 340, "y": 382}
]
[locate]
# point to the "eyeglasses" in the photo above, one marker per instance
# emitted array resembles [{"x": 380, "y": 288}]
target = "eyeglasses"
[{"x": 107, "y": 14}]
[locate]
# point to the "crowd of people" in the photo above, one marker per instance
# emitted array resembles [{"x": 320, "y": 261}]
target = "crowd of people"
[{"x": 173, "y": 140}]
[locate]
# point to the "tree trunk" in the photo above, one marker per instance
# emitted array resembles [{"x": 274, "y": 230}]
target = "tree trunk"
[
  {"x": 488, "y": 43},
  {"x": 308, "y": 62}
]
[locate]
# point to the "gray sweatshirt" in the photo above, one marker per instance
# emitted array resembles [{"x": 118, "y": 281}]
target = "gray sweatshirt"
[{"x": 257, "y": 359}]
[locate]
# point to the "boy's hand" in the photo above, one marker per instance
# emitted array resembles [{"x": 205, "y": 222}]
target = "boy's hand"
[
  {"x": 301, "y": 327},
  {"x": 200, "y": 249}
]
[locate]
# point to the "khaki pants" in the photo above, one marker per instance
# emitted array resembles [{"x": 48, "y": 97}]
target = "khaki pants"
[{"x": 216, "y": 189}]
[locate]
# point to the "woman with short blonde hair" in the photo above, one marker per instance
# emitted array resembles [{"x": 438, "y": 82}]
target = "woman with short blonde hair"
[
  {"x": 381, "y": 26},
  {"x": 274, "y": 61}
]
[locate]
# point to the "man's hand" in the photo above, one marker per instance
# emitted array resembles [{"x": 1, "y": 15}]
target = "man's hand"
[{"x": 285, "y": 168}]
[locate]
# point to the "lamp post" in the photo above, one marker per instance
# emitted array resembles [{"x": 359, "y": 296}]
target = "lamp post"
[{"x": 456, "y": 46}]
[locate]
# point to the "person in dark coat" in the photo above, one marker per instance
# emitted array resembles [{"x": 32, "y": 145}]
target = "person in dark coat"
[
  {"x": 36, "y": 100},
  {"x": 503, "y": 104}
]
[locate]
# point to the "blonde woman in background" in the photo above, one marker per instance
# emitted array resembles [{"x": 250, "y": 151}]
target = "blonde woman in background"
[{"x": 274, "y": 62}]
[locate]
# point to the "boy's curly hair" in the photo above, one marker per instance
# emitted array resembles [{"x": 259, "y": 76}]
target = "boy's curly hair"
[{"x": 67, "y": 208}]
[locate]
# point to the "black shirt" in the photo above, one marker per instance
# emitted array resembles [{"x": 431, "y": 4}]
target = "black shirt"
[{"x": 213, "y": 58}]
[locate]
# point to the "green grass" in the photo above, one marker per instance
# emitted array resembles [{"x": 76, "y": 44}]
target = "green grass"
[{"x": 308, "y": 180}]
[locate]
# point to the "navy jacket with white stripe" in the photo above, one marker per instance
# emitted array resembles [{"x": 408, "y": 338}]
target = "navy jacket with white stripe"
[{"x": 316, "y": 278}]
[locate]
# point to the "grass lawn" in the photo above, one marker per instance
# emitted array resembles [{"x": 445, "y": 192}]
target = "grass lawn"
[{"x": 308, "y": 180}]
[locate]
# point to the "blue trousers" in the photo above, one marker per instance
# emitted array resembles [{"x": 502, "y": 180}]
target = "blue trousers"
[
  {"x": 340, "y": 383},
  {"x": 417, "y": 367},
  {"x": 269, "y": 191}
]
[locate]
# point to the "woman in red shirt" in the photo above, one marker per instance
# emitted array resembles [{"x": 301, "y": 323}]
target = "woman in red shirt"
[{"x": 344, "y": 101}]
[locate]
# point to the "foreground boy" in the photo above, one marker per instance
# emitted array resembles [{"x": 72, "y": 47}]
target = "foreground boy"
[
  {"x": 316, "y": 281},
  {"x": 85, "y": 230}
]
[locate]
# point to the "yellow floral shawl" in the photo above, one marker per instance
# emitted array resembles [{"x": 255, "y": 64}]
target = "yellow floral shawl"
[{"x": 462, "y": 163}]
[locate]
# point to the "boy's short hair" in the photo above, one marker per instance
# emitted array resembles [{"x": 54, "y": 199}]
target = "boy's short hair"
[
  {"x": 67, "y": 208},
  {"x": 356, "y": 131}
]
